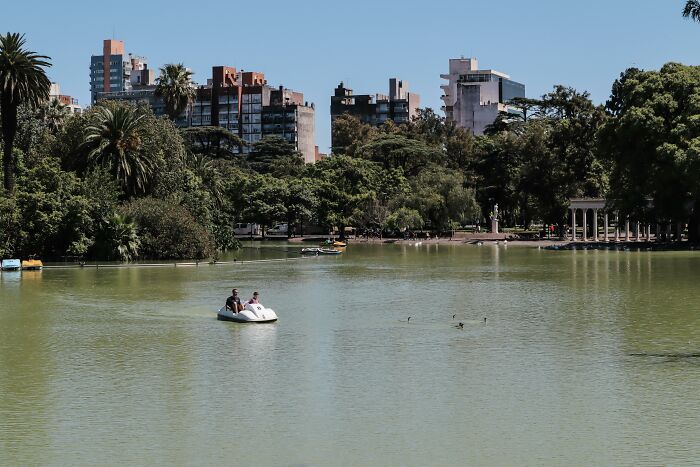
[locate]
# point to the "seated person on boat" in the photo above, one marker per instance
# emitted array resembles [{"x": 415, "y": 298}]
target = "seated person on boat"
[{"x": 233, "y": 303}]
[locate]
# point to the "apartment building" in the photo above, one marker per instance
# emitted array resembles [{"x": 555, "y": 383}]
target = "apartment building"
[
  {"x": 247, "y": 106},
  {"x": 399, "y": 105},
  {"x": 240, "y": 101},
  {"x": 116, "y": 71},
  {"x": 68, "y": 101},
  {"x": 474, "y": 98}
]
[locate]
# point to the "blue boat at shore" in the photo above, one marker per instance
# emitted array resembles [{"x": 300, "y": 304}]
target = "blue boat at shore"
[{"x": 11, "y": 265}]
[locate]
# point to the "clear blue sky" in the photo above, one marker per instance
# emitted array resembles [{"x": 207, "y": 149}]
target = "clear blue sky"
[{"x": 311, "y": 45}]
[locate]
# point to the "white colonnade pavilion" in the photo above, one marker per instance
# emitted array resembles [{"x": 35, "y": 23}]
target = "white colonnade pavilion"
[{"x": 624, "y": 229}]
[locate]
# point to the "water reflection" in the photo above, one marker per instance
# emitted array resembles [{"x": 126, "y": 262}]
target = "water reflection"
[{"x": 131, "y": 365}]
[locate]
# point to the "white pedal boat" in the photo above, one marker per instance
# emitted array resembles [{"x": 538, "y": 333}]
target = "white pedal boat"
[{"x": 251, "y": 313}]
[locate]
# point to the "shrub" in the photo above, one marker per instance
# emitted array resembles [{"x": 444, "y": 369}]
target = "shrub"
[{"x": 167, "y": 230}]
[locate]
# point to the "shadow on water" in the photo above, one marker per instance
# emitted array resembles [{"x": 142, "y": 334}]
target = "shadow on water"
[{"x": 675, "y": 356}]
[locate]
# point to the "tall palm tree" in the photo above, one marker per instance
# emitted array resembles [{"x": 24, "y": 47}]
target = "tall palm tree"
[
  {"x": 175, "y": 86},
  {"x": 692, "y": 10},
  {"x": 113, "y": 140},
  {"x": 54, "y": 113},
  {"x": 22, "y": 81}
]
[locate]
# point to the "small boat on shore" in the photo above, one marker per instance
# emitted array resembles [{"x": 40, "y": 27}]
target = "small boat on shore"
[
  {"x": 32, "y": 264},
  {"x": 251, "y": 313},
  {"x": 320, "y": 251},
  {"x": 11, "y": 265}
]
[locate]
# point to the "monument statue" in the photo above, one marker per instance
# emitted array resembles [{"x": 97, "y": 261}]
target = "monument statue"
[{"x": 494, "y": 219}]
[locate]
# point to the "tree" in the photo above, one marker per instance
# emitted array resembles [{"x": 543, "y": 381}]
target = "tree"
[
  {"x": 372, "y": 213},
  {"x": 212, "y": 141},
  {"x": 123, "y": 237},
  {"x": 348, "y": 133},
  {"x": 300, "y": 202},
  {"x": 265, "y": 201},
  {"x": 274, "y": 154},
  {"x": 22, "y": 80},
  {"x": 342, "y": 184},
  {"x": 174, "y": 86},
  {"x": 53, "y": 113},
  {"x": 398, "y": 151},
  {"x": 653, "y": 141},
  {"x": 113, "y": 140},
  {"x": 428, "y": 127},
  {"x": 54, "y": 212},
  {"x": 692, "y": 10},
  {"x": 441, "y": 198},
  {"x": 405, "y": 219},
  {"x": 532, "y": 167},
  {"x": 167, "y": 230}
]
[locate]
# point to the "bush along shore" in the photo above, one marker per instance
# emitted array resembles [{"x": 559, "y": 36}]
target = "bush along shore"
[{"x": 118, "y": 183}]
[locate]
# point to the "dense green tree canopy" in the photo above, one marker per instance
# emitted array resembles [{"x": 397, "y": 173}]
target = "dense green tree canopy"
[
  {"x": 653, "y": 141},
  {"x": 275, "y": 155}
]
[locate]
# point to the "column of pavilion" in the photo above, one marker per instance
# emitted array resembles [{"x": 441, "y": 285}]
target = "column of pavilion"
[{"x": 641, "y": 231}]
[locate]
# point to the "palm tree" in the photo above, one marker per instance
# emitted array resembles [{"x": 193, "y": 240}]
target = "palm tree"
[
  {"x": 22, "y": 81},
  {"x": 176, "y": 89},
  {"x": 54, "y": 113},
  {"x": 113, "y": 140},
  {"x": 692, "y": 10},
  {"x": 124, "y": 237}
]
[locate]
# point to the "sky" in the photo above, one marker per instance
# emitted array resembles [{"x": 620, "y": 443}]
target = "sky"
[{"x": 312, "y": 45}]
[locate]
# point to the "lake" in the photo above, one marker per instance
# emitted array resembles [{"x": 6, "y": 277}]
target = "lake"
[{"x": 585, "y": 358}]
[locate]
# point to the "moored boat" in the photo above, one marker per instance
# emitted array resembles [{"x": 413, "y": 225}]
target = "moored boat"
[
  {"x": 328, "y": 251},
  {"x": 32, "y": 264},
  {"x": 11, "y": 264},
  {"x": 334, "y": 243}
]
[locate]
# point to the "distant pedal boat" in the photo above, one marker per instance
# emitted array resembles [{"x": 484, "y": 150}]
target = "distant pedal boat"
[
  {"x": 11, "y": 265},
  {"x": 32, "y": 264},
  {"x": 251, "y": 313}
]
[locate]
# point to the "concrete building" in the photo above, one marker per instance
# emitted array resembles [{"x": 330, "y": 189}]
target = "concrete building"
[
  {"x": 473, "y": 98},
  {"x": 247, "y": 106},
  {"x": 236, "y": 100},
  {"x": 399, "y": 105},
  {"x": 68, "y": 101},
  {"x": 289, "y": 117},
  {"x": 115, "y": 71}
]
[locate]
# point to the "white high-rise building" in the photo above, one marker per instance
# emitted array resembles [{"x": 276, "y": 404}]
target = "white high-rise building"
[{"x": 473, "y": 98}]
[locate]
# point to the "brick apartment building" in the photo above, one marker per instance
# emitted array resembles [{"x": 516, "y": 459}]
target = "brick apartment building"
[{"x": 240, "y": 101}]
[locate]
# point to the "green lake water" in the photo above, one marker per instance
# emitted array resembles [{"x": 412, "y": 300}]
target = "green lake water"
[{"x": 586, "y": 358}]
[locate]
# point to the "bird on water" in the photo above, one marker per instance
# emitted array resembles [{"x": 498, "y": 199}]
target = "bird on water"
[
  {"x": 461, "y": 325},
  {"x": 409, "y": 319},
  {"x": 453, "y": 316}
]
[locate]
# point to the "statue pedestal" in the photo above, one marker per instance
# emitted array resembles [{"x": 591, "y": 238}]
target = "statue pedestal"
[{"x": 494, "y": 226}]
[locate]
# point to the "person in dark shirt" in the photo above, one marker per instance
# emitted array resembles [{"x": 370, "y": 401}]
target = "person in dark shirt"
[{"x": 233, "y": 303}]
